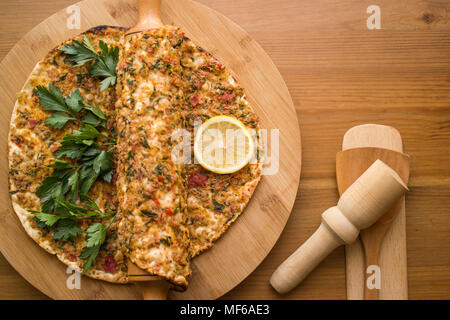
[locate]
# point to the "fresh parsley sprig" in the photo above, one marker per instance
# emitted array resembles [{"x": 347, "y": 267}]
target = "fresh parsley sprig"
[
  {"x": 65, "y": 227},
  {"x": 68, "y": 108},
  {"x": 96, "y": 235},
  {"x": 105, "y": 61},
  {"x": 80, "y": 53},
  {"x": 70, "y": 181},
  {"x": 105, "y": 65},
  {"x": 74, "y": 180}
]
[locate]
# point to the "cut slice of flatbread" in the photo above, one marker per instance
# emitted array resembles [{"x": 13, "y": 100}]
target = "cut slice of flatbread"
[
  {"x": 150, "y": 185},
  {"x": 214, "y": 200}
]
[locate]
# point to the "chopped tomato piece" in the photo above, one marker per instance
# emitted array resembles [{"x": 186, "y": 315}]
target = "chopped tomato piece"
[
  {"x": 110, "y": 264},
  {"x": 194, "y": 100},
  {"x": 169, "y": 212},
  {"x": 32, "y": 123},
  {"x": 198, "y": 84},
  {"x": 72, "y": 257},
  {"x": 228, "y": 97},
  {"x": 156, "y": 201},
  {"x": 197, "y": 179}
]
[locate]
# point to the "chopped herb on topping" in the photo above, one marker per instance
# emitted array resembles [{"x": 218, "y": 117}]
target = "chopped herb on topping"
[
  {"x": 150, "y": 214},
  {"x": 228, "y": 220},
  {"x": 144, "y": 141},
  {"x": 166, "y": 241},
  {"x": 180, "y": 41},
  {"x": 217, "y": 206},
  {"x": 155, "y": 65},
  {"x": 159, "y": 168}
]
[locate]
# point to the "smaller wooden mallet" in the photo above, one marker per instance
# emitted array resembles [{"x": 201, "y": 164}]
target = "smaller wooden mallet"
[{"x": 360, "y": 206}]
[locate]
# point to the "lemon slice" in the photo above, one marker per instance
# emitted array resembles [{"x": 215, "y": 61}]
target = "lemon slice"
[{"x": 223, "y": 145}]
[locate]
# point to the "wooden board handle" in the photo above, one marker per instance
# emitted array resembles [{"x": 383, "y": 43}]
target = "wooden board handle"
[
  {"x": 149, "y": 16},
  {"x": 154, "y": 290},
  {"x": 361, "y": 205},
  {"x": 152, "y": 287}
]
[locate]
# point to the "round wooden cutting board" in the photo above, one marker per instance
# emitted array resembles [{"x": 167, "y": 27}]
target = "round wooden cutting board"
[{"x": 252, "y": 236}]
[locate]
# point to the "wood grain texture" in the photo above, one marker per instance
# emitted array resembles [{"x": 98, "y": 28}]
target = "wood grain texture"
[
  {"x": 339, "y": 75},
  {"x": 222, "y": 267}
]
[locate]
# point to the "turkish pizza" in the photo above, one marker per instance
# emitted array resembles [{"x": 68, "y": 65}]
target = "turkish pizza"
[{"x": 92, "y": 173}]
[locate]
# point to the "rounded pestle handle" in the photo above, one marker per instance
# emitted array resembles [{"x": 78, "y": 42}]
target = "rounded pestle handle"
[{"x": 360, "y": 206}]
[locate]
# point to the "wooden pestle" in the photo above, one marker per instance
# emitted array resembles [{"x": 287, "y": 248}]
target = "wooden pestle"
[{"x": 360, "y": 206}]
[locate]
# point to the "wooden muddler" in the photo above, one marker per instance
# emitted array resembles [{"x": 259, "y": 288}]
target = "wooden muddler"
[{"x": 360, "y": 206}]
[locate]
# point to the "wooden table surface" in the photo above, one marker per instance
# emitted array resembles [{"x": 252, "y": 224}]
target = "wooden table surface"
[{"x": 340, "y": 74}]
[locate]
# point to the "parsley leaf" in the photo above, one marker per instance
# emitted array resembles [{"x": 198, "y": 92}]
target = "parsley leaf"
[
  {"x": 73, "y": 101},
  {"x": 105, "y": 65},
  {"x": 64, "y": 224},
  {"x": 67, "y": 229},
  {"x": 59, "y": 120},
  {"x": 90, "y": 203},
  {"x": 96, "y": 235},
  {"x": 67, "y": 108},
  {"x": 79, "y": 53},
  {"x": 51, "y": 98},
  {"x": 103, "y": 162},
  {"x": 87, "y": 184},
  {"x": 94, "y": 109},
  {"x": 48, "y": 219},
  {"x": 91, "y": 119},
  {"x": 73, "y": 182},
  {"x": 89, "y": 254}
]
